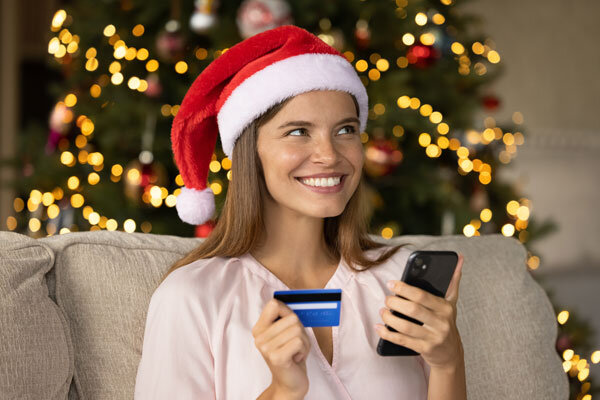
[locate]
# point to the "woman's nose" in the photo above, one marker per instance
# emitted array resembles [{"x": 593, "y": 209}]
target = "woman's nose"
[{"x": 325, "y": 150}]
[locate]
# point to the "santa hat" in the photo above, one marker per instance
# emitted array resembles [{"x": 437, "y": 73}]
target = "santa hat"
[{"x": 240, "y": 85}]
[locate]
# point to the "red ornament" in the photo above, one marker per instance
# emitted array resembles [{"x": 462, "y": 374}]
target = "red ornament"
[
  {"x": 362, "y": 35},
  {"x": 154, "y": 87},
  {"x": 490, "y": 102},
  {"x": 140, "y": 178},
  {"x": 170, "y": 45},
  {"x": 256, "y": 16},
  {"x": 382, "y": 157},
  {"x": 205, "y": 229},
  {"x": 563, "y": 343},
  {"x": 422, "y": 56}
]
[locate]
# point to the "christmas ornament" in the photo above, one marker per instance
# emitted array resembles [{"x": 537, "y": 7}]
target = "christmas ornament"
[
  {"x": 382, "y": 157},
  {"x": 267, "y": 67},
  {"x": 255, "y": 16},
  {"x": 59, "y": 125},
  {"x": 563, "y": 343},
  {"x": 154, "y": 88},
  {"x": 53, "y": 139},
  {"x": 140, "y": 178},
  {"x": 59, "y": 116},
  {"x": 204, "y": 16},
  {"x": 422, "y": 56},
  {"x": 490, "y": 102},
  {"x": 170, "y": 42},
  {"x": 362, "y": 34}
]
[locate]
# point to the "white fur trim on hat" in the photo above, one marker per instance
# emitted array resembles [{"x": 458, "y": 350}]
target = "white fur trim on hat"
[
  {"x": 195, "y": 206},
  {"x": 286, "y": 78}
]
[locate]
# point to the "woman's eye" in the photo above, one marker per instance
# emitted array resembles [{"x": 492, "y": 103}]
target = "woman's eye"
[
  {"x": 349, "y": 127},
  {"x": 290, "y": 132}
]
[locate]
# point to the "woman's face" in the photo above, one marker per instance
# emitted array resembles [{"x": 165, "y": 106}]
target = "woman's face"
[{"x": 314, "y": 133}]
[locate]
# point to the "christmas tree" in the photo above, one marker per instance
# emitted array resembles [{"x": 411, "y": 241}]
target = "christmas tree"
[{"x": 432, "y": 160}]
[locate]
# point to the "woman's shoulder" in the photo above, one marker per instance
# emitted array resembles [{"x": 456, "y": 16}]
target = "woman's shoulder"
[
  {"x": 400, "y": 255},
  {"x": 392, "y": 267},
  {"x": 197, "y": 276}
]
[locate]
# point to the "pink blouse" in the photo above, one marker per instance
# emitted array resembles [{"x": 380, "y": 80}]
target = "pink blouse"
[{"x": 198, "y": 341}]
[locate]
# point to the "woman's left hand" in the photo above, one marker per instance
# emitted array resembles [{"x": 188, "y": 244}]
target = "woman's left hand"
[{"x": 437, "y": 340}]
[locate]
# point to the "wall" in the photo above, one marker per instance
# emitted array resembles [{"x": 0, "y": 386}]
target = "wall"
[{"x": 549, "y": 50}]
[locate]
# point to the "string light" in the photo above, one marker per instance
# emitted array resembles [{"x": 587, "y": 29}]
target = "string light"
[
  {"x": 408, "y": 39},
  {"x": 421, "y": 19},
  {"x": 59, "y": 18},
  {"x": 109, "y": 30},
  {"x": 116, "y": 78},
  {"x": 201, "y": 54},
  {"x": 129, "y": 225},
  {"x": 387, "y": 233},
  {"x": 138, "y": 30},
  {"x": 152, "y": 65},
  {"x": 142, "y": 54},
  {"x": 361, "y": 65}
]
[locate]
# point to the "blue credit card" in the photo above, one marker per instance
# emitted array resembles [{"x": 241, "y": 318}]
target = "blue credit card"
[{"x": 314, "y": 307}]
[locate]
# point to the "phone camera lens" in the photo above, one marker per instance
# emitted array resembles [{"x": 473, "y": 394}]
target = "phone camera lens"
[{"x": 419, "y": 267}]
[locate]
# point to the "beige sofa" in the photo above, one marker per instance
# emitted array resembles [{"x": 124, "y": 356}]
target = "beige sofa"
[{"x": 73, "y": 310}]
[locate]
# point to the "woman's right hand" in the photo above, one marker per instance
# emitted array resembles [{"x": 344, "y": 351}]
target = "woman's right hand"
[{"x": 284, "y": 345}]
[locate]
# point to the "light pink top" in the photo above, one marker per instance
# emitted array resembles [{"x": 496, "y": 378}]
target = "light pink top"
[{"x": 198, "y": 341}]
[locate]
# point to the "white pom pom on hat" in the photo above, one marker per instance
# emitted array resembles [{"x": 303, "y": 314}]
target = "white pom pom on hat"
[{"x": 237, "y": 87}]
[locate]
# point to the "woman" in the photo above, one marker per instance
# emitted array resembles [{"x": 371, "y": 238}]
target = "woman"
[{"x": 289, "y": 109}]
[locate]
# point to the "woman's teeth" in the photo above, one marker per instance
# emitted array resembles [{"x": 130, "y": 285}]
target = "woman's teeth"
[{"x": 322, "y": 181}]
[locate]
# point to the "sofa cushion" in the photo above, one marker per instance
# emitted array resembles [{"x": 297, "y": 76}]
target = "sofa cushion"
[
  {"x": 36, "y": 354},
  {"x": 104, "y": 281}
]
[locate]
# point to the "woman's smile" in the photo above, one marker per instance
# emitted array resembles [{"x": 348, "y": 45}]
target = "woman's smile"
[{"x": 330, "y": 185}]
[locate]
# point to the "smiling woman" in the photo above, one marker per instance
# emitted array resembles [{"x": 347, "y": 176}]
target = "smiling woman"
[{"x": 289, "y": 110}]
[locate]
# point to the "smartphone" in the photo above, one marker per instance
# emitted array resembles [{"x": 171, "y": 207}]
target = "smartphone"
[{"x": 430, "y": 270}]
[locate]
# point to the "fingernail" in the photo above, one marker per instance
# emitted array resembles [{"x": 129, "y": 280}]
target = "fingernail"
[{"x": 390, "y": 285}]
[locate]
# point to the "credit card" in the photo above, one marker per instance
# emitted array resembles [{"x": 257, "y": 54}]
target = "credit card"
[{"x": 314, "y": 307}]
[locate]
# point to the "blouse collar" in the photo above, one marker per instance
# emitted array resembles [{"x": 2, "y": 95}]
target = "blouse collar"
[{"x": 338, "y": 280}]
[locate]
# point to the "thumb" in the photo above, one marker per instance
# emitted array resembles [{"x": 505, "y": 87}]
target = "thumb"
[{"x": 282, "y": 310}]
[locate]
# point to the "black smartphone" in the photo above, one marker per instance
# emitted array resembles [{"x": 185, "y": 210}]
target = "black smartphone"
[{"x": 430, "y": 270}]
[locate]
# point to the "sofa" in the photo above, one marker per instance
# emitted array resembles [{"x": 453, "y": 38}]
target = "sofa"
[{"x": 73, "y": 309}]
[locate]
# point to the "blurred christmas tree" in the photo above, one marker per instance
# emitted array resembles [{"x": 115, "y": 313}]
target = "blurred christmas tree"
[{"x": 432, "y": 160}]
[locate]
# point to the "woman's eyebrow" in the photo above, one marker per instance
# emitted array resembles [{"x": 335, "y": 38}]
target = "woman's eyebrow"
[{"x": 307, "y": 123}]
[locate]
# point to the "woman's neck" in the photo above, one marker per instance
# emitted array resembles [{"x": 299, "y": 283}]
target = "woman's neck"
[{"x": 293, "y": 247}]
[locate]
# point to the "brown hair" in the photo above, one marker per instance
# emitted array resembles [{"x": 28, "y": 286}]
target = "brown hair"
[{"x": 239, "y": 227}]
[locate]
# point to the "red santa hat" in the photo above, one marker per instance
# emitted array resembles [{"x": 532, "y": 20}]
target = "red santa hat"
[{"x": 240, "y": 85}]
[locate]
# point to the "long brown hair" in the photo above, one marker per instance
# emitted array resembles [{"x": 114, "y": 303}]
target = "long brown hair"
[{"x": 240, "y": 225}]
